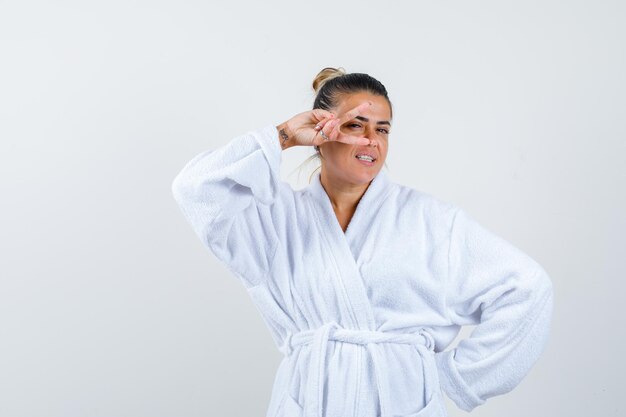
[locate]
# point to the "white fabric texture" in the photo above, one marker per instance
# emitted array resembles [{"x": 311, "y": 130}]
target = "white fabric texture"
[{"x": 363, "y": 318}]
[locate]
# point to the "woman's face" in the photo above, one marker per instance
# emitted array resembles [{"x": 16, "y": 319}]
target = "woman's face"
[{"x": 339, "y": 160}]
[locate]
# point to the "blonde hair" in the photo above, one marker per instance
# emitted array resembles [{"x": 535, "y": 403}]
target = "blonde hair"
[{"x": 325, "y": 75}]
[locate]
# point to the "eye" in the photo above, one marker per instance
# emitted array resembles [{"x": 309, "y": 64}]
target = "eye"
[{"x": 383, "y": 130}]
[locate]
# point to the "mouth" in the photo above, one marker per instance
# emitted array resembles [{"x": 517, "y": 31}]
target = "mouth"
[{"x": 366, "y": 158}]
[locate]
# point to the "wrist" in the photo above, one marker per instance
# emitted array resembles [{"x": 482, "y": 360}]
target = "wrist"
[{"x": 285, "y": 136}]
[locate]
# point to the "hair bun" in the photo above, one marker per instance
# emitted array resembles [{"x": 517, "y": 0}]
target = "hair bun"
[{"x": 325, "y": 75}]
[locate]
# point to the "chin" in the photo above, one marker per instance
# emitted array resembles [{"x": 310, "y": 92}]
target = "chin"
[{"x": 364, "y": 177}]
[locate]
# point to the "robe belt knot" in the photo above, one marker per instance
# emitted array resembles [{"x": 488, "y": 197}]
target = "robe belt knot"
[
  {"x": 358, "y": 337},
  {"x": 318, "y": 338}
]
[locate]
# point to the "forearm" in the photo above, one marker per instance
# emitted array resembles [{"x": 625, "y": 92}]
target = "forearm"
[{"x": 205, "y": 190}]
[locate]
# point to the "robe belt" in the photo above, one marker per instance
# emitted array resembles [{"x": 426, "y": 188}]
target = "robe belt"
[{"x": 318, "y": 338}]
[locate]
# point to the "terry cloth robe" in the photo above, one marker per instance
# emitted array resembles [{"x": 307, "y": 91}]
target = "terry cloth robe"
[{"x": 363, "y": 317}]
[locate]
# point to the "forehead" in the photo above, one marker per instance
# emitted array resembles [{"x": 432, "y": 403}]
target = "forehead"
[{"x": 378, "y": 111}]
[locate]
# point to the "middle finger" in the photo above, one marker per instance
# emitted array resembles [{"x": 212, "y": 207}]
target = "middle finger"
[{"x": 323, "y": 122}]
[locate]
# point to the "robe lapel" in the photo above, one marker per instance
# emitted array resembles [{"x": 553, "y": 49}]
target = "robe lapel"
[{"x": 342, "y": 247}]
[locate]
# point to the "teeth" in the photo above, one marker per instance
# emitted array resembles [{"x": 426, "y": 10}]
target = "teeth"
[{"x": 365, "y": 158}]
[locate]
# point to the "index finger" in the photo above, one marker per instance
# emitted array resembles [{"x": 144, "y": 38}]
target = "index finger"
[{"x": 354, "y": 112}]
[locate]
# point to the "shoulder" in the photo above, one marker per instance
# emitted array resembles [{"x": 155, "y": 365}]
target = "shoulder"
[{"x": 432, "y": 209}]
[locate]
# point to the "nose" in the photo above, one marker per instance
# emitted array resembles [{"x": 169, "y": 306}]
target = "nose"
[{"x": 372, "y": 137}]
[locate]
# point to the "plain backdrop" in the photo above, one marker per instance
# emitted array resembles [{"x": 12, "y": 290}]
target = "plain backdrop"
[{"x": 111, "y": 306}]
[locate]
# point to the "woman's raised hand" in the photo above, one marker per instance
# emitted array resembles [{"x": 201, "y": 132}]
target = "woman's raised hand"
[{"x": 304, "y": 128}]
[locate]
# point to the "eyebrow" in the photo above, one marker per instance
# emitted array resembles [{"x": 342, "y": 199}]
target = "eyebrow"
[{"x": 365, "y": 119}]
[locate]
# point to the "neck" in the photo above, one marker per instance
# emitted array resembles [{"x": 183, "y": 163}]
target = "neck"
[{"x": 344, "y": 196}]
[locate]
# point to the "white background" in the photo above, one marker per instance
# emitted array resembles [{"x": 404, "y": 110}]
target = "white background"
[{"x": 110, "y": 305}]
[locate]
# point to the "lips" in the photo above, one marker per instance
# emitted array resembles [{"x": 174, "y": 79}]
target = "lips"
[
  {"x": 366, "y": 153},
  {"x": 365, "y": 162}
]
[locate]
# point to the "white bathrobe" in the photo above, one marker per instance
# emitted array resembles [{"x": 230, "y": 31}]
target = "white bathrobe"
[{"x": 363, "y": 318}]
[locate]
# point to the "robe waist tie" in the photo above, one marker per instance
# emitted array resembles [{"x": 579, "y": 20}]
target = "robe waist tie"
[{"x": 318, "y": 338}]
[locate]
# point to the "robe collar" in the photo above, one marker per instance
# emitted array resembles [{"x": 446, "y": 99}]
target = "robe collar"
[
  {"x": 344, "y": 247},
  {"x": 371, "y": 199}
]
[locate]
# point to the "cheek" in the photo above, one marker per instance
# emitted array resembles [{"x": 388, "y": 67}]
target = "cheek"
[
  {"x": 334, "y": 152},
  {"x": 341, "y": 150},
  {"x": 383, "y": 146}
]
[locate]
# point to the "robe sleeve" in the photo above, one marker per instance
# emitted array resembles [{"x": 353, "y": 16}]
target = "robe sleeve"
[
  {"x": 508, "y": 296},
  {"x": 227, "y": 195}
]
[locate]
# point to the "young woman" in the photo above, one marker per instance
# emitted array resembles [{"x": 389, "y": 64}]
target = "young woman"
[{"x": 364, "y": 282}]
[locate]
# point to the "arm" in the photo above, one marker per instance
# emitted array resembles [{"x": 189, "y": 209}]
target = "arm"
[
  {"x": 227, "y": 195},
  {"x": 233, "y": 197},
  {"x": 509, "y": 296}
]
